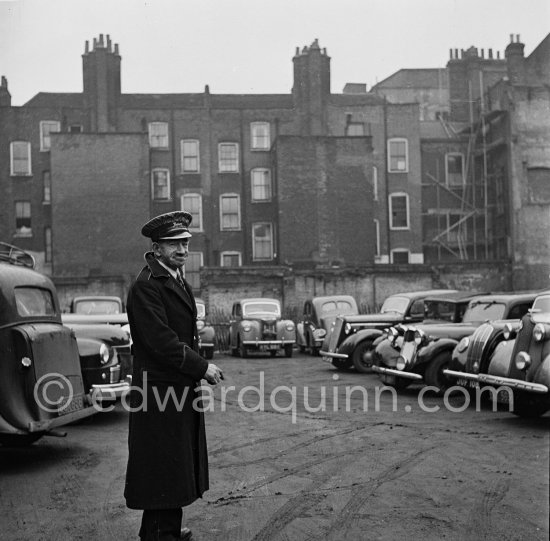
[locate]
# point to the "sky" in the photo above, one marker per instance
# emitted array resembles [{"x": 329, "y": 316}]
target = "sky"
[{"x": 247, "y": 46}]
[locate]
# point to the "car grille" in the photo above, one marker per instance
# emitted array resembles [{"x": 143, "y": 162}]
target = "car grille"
[
  {"x": 125, "y": 359},
  {"x": 479, "y": 341},
  {"x": 269, "y": 331},
  {"x": 334, "y": 338}
]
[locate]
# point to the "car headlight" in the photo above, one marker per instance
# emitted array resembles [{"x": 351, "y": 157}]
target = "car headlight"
[
  {"x": 523, "y": 360},
  {"x": 419, "y": 337},
  {"x": 401, "y": 363},
  {"x": 319, "y": 333},
  {"x": 539, "y": 332},
  {"x": 463, "y": 344},
  {"x": 289, "y": 326},
  {"x": 347, "y": 328},
  {"x": 200, "y": 324},
  {"x": 246, "y": 327},
  {"x": 104, "y": 354}
]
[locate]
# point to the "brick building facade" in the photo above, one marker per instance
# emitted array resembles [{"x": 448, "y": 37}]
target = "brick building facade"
[{"x": 310, "y": 179}]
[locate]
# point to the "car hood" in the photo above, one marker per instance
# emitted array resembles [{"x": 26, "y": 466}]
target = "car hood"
[{"x": 113, "y": 335}]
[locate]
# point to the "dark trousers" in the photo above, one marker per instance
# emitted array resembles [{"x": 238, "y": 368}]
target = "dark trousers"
[{"x": 160, "y": 524}]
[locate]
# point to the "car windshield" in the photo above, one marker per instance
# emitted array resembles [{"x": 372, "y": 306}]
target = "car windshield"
[
  {"x": 97, "y": 307},
  {"x": 395, "y": 304},
  {"x": 541, "y": 304},
  {"x": 484, "y": 311},
  {"x": 201, "y": 310},
  {"x": 442, "y": 310},
  {"x": 337, "y": 307},
  {"x": 253, "y": 308},
  {"x": 33, "y": 301}
]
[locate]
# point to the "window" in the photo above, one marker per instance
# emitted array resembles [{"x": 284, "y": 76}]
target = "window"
[
  {"x": 192, "y": 203},
  {"x": 400, "y": 257},
  {"x": 259, "y": 136},
  {"x": 376, "y": 238},
  {"x": 23, "y": 219},
  {"x": 33, "y": 301},
  {"x": 158, "y": 134},
  {"x": 398, "y": 156},
  {"x": 261, "y": 184},
  {"x": 46, "y": 187},
  {"x": 47, "y": 245},
  {"x": 75, "y": 128},
  {"x": 355, "y": 129},
  {"x": 262, "y": 241},
  {"x": 375, "y": 183},
  {"x": 230, "y": 212},
  {"x": 228, "y": 157},
  {"x": 20, "y": 153},
  {"x": 454, "y": 169},
  {"x": 160, "y": 184},
  {"x": 399, "y": 211},
  {"x": 192, "y": 268},
  {"x": 47, "y": 127},
  {"x": 230, "y": 259},
  {"x": 190, "y": 162}
]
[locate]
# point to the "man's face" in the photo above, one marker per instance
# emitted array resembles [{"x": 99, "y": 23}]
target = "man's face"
[{"x": 172, "y": 253}]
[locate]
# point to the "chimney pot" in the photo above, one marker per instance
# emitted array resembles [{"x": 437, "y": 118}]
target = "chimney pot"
[
  {"x": 498, "y": 55},
  {"x": 87, "y": 47},
  {"x": 101, "y": 40},
  {"x": 511, "y": 38},
  {"x": 517, "y": 38},
  {"x": 116, "y": 48},
  {"x": 297, "y": 51},
  {"x": 490, "y": 53},
  {"x": 482, "y": 53}
]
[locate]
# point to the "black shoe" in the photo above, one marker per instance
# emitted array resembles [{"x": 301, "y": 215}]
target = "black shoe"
[{"x": 186, "y": 534}]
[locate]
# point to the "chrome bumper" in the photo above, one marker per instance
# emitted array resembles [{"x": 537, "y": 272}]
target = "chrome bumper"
[
  {"x": 394, "y": 372},
  {"x": 500, "y": 381}
]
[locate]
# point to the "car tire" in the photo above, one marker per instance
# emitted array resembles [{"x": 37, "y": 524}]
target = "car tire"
[
  {"x": 288, "y": 350},
  {"x": 343, "y": 365},
  {"x": 434, "y": 373},
  {"x": 15, "y": 440},
  {"x": 362, "y": 357},
  {"x": 528, "y": 407}
]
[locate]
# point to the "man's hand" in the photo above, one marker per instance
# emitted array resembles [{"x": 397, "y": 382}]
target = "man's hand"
[{"x": 213, "y": 374}]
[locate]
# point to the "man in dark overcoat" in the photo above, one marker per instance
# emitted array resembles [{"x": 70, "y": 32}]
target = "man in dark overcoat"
[{"x": 167, "y": 462}]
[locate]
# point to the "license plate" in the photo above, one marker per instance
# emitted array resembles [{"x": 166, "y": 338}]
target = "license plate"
[
  {"x": 467, "y": 383},
  {"x": 76, "y": 404}
]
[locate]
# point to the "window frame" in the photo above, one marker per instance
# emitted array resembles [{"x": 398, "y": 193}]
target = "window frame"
[
  {"x": 375, "y": 183},
  {"x": 254, "y": 240},
  {"x": 196, "y": 157},
  {"x": 400, "y": 251},
  {"x": 45, "y": 134},
  {"x": 193, "y": 226},
  {"x": 46, "y": 187},
  {"x": 28, "y": 172},
  {"x": 447, "y": 174},
  {"x": 153, "y": 171},
  {"x": 227, "y": 196},
  {"x": 376, "y": 237},
  {"x": 18, "y": 232},
  {"x": 197, "y": 272},
  {"x": 225, "y": 168},
  {"x": 152, "y": 136},
  {"x": 255, "y": 137},
  {"x": 252, "y": 186},
  {"x": 231, "y": 253},
  {"x": 390, "y": 155},
  {"x": 391, "y": 197}
]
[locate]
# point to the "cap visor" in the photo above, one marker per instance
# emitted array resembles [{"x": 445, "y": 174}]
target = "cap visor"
[{"x": 184, "y": 235}]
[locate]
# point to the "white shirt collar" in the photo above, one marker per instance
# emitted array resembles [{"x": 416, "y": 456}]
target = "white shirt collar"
[{"x": 171, "y": 271}]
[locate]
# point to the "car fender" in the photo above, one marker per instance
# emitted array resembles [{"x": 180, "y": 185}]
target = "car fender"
[
  {"x": 429, "y": 352},
  {"x": 351, "y": 342},
  {"x": 300, "y": 335},
  {"x": 499, "y": 365}
]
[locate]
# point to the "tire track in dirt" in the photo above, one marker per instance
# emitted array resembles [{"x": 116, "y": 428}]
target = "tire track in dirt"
[
  {"x": 480, "y": 526},
  {"x": 359, "y": 496}
]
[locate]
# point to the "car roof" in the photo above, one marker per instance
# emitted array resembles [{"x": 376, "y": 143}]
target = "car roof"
[
  {"x": 259, "y": 299},
  {"x": 97, "y": 298},
  {"x": 458, "y": 296},
  {"x": 424, "y": 293},
  {"x": 320, "y": 300},
  {"x": 505, "y": 297}
]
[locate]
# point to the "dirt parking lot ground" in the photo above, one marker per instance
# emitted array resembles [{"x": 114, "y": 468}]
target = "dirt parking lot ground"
[{"x": 289, "y": 473}]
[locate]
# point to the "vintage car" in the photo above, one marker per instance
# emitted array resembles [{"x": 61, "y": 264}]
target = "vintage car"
[
  {"x": 421, "y": 352},
  {"x": 515, "y": 360},
  {"x": 207, "y": 334},
  {"x": 41, "y": 384},
  {"x": 350, "y": 341},
  {"x": 257, "y": 325},
  {"x": 318, "y": 316},
  {"x": 96, "y": 304}
]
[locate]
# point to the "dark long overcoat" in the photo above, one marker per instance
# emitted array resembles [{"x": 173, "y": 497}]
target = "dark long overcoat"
[{"x": 167, "y": 460}]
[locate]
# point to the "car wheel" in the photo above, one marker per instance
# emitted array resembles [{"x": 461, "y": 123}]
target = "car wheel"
[
  {"x": 340, "y": 364},
  {"x": 434, "y": 372},
  {"x": 288, "y": 350},
  {"x": 15, "y": 440},
  {"x": 362, "y": 357},
  {"x": 529, "y": 408}
]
